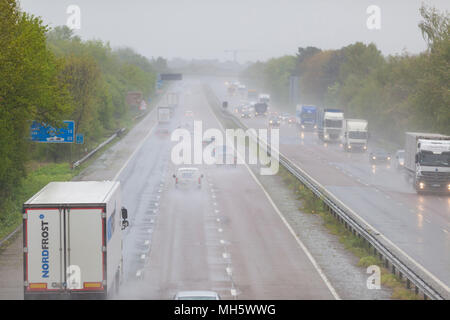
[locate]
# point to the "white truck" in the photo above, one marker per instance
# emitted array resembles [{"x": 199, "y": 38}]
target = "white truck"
[
  {"x": 164, "y": 114},
  {"x": 264, "y": 98},
  {"x": 72, "y": 240},
  {"x": 330, "y": 123},
  {"x": 355, "y": 135},
  {"x": 427, "y": 161},
  {"x": 173, "y": 99}
]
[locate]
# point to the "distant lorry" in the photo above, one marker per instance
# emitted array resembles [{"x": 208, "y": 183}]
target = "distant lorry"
[
  {"x": 306, "y": 117},
  {"x": 164, "y": 114},
  {"x": 427, "y": 161},
  {"x": 330, "y": 124},
  {"x": 72, "y": 240},
  {"x": 173, "y": 99},
  {"x": 260, "y": 109},
  {"x": 264, "y": 98},
  {"x": 355, "y": 135}
]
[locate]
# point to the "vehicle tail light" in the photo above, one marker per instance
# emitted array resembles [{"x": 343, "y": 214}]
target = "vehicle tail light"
[
  {"x": 38, "y": 286},
  {"x": 176, "y": 180},
  {"x": 92, "y": 285}
]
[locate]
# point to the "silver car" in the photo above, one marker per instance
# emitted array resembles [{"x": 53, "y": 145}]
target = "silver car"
[
  {"x": 188, "y": 177},
  {"x": 197, "y": 295}
]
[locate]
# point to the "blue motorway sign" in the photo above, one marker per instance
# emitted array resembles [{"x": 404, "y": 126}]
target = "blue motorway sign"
[{"x": 40, "y": 132}]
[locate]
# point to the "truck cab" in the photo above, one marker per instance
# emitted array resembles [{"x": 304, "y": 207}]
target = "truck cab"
[
  {"x": 427, "y": 160},
  {"x": 355, "y": 135},
  {"x": 330, "y": 125},
  {"x": 306, "y": 117}
]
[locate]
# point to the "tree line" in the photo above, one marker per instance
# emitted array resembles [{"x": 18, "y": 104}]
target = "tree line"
[
  {"x": 51, "y": 75},
  {"x": 395, "y": 93}
]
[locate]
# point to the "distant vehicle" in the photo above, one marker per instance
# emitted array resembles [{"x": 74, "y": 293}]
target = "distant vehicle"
[
  {"x": 330, "y": 124},
  {"x": 173, "y": 99},
  {"x": 260, "y": 109},
  {"x": 355, "y": 135},
  {"x": 306, "y": 117},
  {"x": 379, "y": 156},
  {"x": 224, "y": 155},
  {"x": 427, "y": 161},
  {"x": 264, "y": 98},
  {"x": 188, "y": 177},
  {"x": 188, "y": 113},
  {"x": 252, "y": 95},
  {"x": 285, "y": 116},
  {"x": 73, "y": 241},
  {"x": 242, "y": 89},
  {"x": 400, "y": 159},
  {"x": 246, "y": 113},
  {"x": 292, "y": 120},
  {"x": 274, "y": 121},
  {"x": 164, "y": 114},
  {"x": 197, "y": 295}
]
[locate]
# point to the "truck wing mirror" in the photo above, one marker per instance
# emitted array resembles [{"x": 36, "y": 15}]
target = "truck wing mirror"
[
  {"x": 174, "y": 176},
  {"x": 125, "y": 222},
  {"x": 417, "y": 158},
  {"x": 124, "y": 213},
  {"x": 225, "y": 104}
]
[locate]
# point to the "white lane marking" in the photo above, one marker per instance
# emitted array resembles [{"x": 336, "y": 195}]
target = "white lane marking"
[
  {"x": 220, "y": 230},
  {"x": 138, "y": 147},
  {"x": 229, "y": 271},
  {"x": 299, "y": 242},
  {"x": 225, "y": 255},
  {"x": 218, "y": 219},
  {"x": 216, "y": 211}
]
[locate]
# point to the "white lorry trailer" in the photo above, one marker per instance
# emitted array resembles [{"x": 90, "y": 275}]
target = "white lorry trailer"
[
  {"x": 72, "y": 241},
  {"x": 427, "y": 161},
  {"x": 164, "y": 114},
  {"x": 355, "y": 135}
]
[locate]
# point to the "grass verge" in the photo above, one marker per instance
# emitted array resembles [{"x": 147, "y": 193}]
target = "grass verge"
[{"x": 361, "y": 249}]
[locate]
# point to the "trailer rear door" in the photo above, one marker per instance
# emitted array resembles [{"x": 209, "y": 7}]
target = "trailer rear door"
[
  {"x": 43, "y": 259},
  {"x": 85, "y": 258}
]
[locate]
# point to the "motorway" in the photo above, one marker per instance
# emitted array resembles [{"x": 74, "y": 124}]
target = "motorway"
[
  {"x": 417, "y": 224},
  {"x": 226, "y": 237}
]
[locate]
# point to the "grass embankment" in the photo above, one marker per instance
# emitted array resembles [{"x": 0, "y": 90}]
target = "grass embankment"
[
  {"x": 313, "y": 205},
  {"x": 39, "y": 175}
]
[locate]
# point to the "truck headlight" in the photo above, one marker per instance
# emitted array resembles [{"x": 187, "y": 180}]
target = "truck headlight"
[
  {"x": 448, "y": 187},
  {"x": 315, "y": 127},
  {"x": 365, "y": 147},
  {"x": 421, "y": 185},
  {"x": 303, "y": 127},
  {"x": 326, "y": 136},
  {"x": 349, "y": 146}
]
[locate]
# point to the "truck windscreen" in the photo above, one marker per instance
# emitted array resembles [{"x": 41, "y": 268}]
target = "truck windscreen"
[
  {"x": 333, "y": 123},
  {"x": 427, "y": 158},
  {"x": 357, "y": 135}
]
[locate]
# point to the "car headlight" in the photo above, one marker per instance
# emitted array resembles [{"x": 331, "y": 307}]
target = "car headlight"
[
  {"x": 448, "y": 187},
  {"x": 374, "y": 158},
  {"x": 389, "y": 158},
  {"x": 303, "y": 127},
  {"x": 349, "y": 146}
]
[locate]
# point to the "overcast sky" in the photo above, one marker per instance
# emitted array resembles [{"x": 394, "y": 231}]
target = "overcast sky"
[{"x": 260, "y": 29}]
